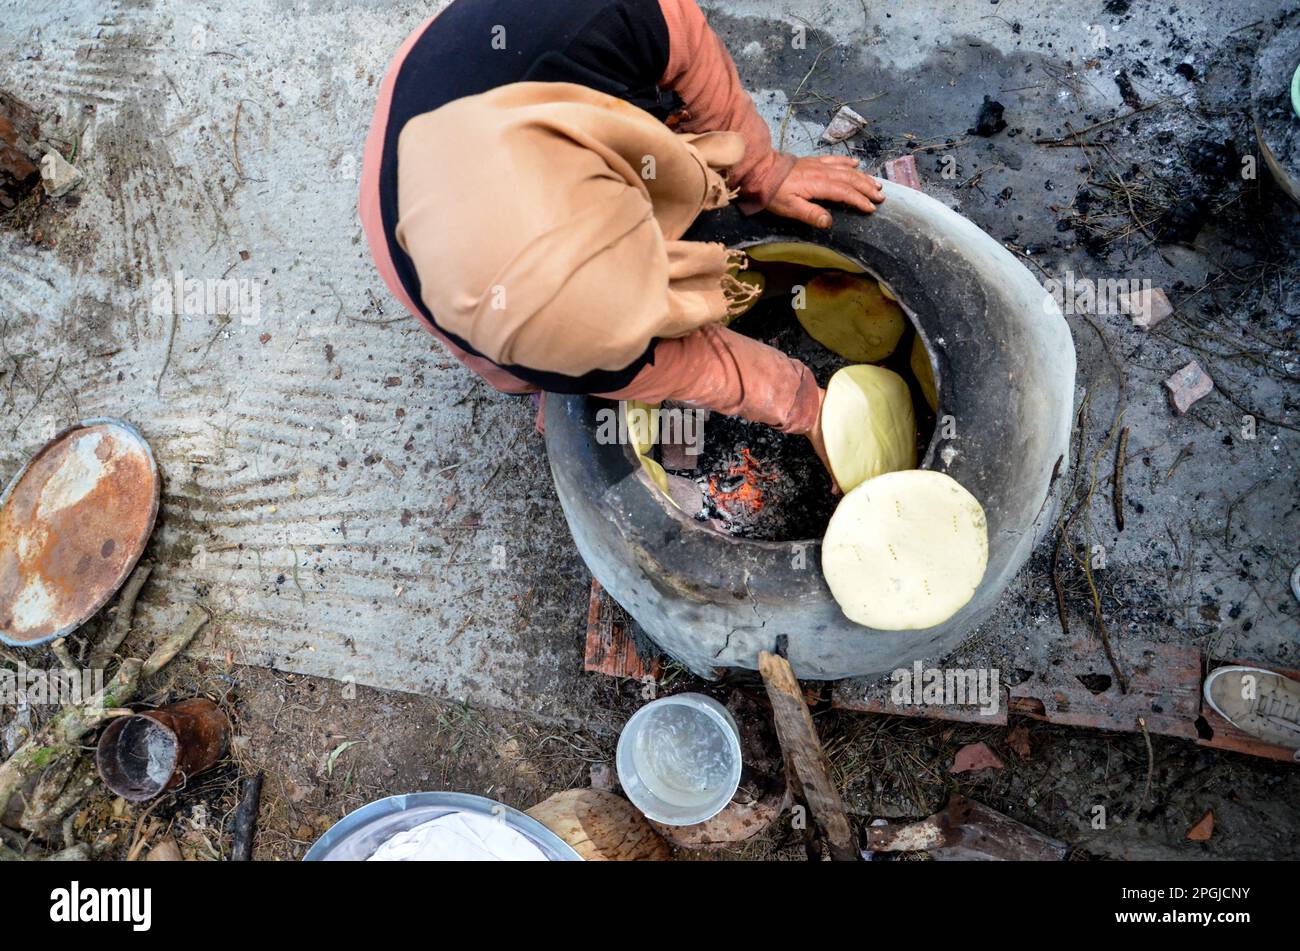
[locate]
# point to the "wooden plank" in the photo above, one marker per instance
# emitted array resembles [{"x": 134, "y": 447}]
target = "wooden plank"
[
  {"x": 968, "y": 830},
  {"x": 601, "y": 826},
  {"x": 1164, "y": 689},
  {"x": 807, "y": 759},
  {"x": 880, "y": 702}
]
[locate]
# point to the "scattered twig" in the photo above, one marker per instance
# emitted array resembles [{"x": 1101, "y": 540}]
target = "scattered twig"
[
  {"x": 1178, "y": 460},
  {"x": 1073, "y": 136},
  {"x": 234, "y": 138},
  {"x": 789, "y": 109},
  {"x": 138, "y": 840},
  {"x": 172, "y": 645},
  {"x": 1117, "y": 494},
  {"x": 167, "y": 353},
  {"x": 1085, "y": 564},
  {"x": 244, "y": 826},
  {"x": 64, "y": 656},
  {"x": 1151, "y": 761},
  {"x": 1061, "y": 612},
  {"x": 1227, "y": 522},
  {"x": 60, "y": 738},
  {"x": 121, "y": 627}
]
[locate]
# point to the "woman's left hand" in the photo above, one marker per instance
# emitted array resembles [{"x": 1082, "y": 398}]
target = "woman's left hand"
[{"x": 825, "y": 178}]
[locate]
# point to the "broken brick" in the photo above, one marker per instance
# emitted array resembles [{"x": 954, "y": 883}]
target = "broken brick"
[
  {"x": 1203, "y": 829},
  {"x": 19, "y": 132},
  {"x": 902, "y": 171},
  {"x": 844, "y": 125},
  {"x": 1146, "y": 308},
  {"x": 1187, "y": 386},
  {"x": 973, "y": 757},
  {"x": 610, "y": 648}
]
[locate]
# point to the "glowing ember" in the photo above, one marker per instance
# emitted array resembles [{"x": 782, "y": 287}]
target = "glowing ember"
[{"x": 740, "y": 492}]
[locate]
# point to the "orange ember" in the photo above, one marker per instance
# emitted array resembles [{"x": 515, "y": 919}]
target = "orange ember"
[{"x": 747, "y": 497}]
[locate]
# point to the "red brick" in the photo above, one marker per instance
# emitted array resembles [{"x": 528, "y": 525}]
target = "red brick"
[
  {"x": 902, "y": 171},
  {"x": 1187, "y": 386},
  {"x": 610, "y": 648},
  {"x": 1146, "y": 308}
]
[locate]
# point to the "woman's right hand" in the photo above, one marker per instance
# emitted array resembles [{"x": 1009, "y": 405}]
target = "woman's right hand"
[{"x": 825, "y": 178}]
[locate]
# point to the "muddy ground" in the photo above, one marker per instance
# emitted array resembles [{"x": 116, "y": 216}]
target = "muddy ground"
[{"x": 322, "y": 495}]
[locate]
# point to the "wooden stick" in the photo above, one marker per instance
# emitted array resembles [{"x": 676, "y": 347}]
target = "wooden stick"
[
  {"x": 61, "y": 737},
  {"x": 105, "y": 649},
  {"x": 803, "y": 749},
  {"x": 176, "y": 642},
  {"x": 57, "y": 793},
  {"x": 968, "y": 830},
  {"x": 1070, "y": 139},
  {"x": 1118, "y": 495},
  {"x": 244, "y": 827},
  {"x": 64, "y": 656},
  {"x": 1151, "y": 761}
]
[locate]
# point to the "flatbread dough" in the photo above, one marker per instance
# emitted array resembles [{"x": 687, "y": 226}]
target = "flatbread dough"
[
  {"x": 924, "y": 373},
  {"x": 643, "y": 433},
  {"x": 800, "y": 252},
  {"x": 905, "y": 551},
  {"x": 868, "y": 424},
  {"x": 851, "y": 316}
]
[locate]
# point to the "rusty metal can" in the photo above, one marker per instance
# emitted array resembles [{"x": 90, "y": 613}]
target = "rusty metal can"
[{"x": 141, "y": 755}]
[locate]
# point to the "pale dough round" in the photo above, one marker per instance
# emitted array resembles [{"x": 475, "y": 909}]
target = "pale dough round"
[
  {"x": 905, "y": 550},
  {"x": 867, "y": 424},
  {"x": 803, "y": 253}
]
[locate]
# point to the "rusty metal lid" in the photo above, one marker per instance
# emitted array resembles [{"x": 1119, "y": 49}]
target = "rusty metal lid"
[{"x": 73, "y": 523}]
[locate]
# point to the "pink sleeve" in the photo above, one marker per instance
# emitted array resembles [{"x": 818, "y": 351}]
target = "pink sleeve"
[
  {"x": 722, "y": 370},
  {"x": 701, "y": 71}
]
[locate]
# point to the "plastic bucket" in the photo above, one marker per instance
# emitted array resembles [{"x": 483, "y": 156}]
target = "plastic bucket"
[{"x": 679, "y": 759}]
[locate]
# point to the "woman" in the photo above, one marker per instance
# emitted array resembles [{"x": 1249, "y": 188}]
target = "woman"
[{"x": 524, "y": 194}]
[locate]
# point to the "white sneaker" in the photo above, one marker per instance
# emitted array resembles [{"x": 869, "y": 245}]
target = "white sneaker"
[{"x": 1257, "y": 701}]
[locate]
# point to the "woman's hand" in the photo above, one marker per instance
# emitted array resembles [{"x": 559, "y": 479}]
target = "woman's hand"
[{"x": 825, "y": 178}]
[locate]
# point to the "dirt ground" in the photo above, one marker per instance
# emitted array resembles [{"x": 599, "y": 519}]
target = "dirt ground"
[
  {"x": 361, "y": 641},
  {"x": 326, "y": 750}
]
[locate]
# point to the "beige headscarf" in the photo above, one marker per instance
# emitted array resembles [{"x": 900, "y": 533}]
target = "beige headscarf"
[{"x": 543, "y": 220}]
